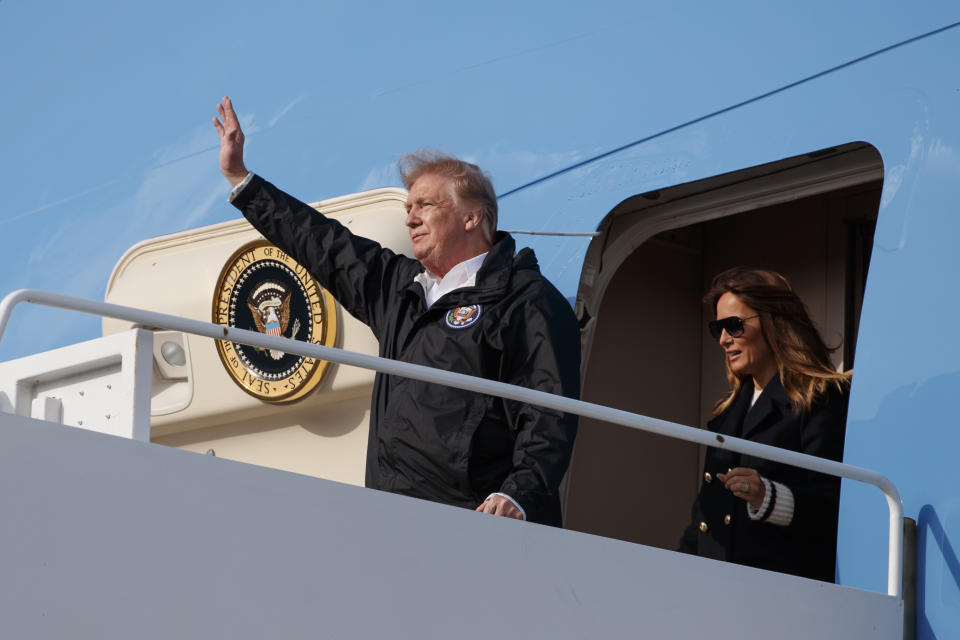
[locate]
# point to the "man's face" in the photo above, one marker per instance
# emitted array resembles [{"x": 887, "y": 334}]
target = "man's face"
[{"x": 438, "y": 227}]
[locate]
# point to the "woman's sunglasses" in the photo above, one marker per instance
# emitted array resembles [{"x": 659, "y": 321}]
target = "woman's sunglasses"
[{"x": 733, "y": 326}]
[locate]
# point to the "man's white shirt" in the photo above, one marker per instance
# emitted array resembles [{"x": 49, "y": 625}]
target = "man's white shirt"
[{"x": 462, "y": 275}]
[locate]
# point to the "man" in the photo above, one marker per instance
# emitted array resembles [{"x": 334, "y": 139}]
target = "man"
[{"x": 465, "y": 304}]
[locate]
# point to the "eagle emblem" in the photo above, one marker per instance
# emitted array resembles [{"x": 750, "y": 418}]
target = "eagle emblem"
[
  {"x": 269, "y": 305},
  {"x": 463, "y": 317},
  {"x": 263, "y": 289}
]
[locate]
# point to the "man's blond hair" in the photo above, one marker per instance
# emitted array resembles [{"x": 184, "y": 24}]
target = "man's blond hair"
[{"x": 470, "y": 183}]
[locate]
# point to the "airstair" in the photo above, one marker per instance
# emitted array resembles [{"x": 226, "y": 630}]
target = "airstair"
[{"x": 106, "y": 535}]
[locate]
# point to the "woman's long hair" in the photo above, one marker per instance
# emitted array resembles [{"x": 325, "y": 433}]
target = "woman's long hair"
[{"x": 803, "y": 359}]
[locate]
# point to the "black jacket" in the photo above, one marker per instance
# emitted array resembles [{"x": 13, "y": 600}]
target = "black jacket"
[
  {"x": 427, "y": 440},
  {"x": 808, "y": 545}
]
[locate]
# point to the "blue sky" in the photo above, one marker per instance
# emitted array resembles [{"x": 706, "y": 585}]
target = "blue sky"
[
  {"x": 105, "y": 119},
  {"x": 106, "y": 140}
]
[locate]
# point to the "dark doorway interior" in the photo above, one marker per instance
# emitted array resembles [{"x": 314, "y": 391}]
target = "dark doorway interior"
[{"x": 651, "y": 353}]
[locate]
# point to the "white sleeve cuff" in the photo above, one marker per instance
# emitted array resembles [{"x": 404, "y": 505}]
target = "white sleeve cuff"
[
  {"x": 782, "y": 513},
  {"x": 512, "y": 501},
  {"x": 757, "y": 514},
  {"x": 237, "y": 189},
  {"x": 779, "y": 513}
]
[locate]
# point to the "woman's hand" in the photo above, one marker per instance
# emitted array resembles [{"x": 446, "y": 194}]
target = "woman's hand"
[{"x": 745, "y": 484}]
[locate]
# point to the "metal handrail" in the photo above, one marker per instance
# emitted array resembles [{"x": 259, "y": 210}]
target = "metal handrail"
[{"x": 158, "y": 320}]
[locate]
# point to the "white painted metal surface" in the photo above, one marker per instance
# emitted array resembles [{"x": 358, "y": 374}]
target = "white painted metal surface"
[
  {"x": 108, "y": 538},
  {"x": 662, "y": 427},
  {"x": 101, "y": 385},
  {"x": 199, "y": 406}
]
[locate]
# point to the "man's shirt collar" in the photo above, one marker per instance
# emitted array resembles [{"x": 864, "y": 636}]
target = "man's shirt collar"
[{"x": 461, "y": 275}]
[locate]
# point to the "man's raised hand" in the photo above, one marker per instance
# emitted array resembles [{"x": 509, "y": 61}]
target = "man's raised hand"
[{"x": 231, "y": 142}]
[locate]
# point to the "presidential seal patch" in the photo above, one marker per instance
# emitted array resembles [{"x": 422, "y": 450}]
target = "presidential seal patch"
[
  {"x": 263, "y": 289},
  {"x": 463, "y": 317}
]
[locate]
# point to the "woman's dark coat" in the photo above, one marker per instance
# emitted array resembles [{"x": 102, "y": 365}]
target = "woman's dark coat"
[{"x": 805, "y": 547}]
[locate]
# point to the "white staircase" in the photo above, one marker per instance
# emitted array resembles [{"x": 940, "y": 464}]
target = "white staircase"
[{"x": 107, "y": 537}]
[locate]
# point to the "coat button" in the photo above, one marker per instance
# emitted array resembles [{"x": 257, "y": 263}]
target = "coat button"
[
  {"x": 726, "y": 519},
  {"x": 703, "y": 527},
  {"x": 707, "y": 477}
]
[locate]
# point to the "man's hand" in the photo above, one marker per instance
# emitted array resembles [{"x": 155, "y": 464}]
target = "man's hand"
[
  {"x": 231, "y": 143},
  {"x": 500, "y": 506}
]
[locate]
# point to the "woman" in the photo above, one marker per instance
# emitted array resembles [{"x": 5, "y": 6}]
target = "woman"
[{"x": 784, "y": 392}]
